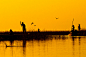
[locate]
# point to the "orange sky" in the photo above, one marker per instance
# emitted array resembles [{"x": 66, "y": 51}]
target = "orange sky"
[{"x": 42, "y": 13}]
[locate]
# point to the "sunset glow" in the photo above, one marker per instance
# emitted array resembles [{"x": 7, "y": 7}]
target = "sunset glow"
[{"x": 42, "y": 13}]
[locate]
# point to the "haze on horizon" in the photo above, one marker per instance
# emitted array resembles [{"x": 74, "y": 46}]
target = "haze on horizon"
[{"x": 42, "y": 13}]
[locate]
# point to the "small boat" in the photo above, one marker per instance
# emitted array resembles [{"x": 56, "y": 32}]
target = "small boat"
[{"x": 77, "y": 33}]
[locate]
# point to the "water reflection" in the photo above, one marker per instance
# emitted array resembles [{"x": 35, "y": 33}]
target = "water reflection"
[
  {"x": 24, "y": 46},
  {"x": 76, "y": 43},
  {"x": 74, "y": 39},
  {"x": 79, "y": 40},
  {"x": 11, "y": 42},
  {"x": 53, "y": 46}
]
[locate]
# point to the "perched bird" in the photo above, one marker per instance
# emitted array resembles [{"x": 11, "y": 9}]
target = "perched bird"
[{"x": 32, "y": 23}]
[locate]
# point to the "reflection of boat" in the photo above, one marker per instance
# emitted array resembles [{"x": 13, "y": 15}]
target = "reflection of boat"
[{"x": 12, "y": 46}]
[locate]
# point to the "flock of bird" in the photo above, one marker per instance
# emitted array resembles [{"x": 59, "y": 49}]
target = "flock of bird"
[
  {"x": 35, "y": 25},
  {"x": 32, "y": 24}
]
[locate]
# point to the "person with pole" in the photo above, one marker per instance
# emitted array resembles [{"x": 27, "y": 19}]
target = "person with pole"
[{"x": 23, "y": 25}]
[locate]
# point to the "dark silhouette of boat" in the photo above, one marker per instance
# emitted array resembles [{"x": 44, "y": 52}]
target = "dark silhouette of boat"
[
  {"x": 77, "y": 33},
  {"x": 30, "y": 35},
  {"x": 22, "y": 36}
]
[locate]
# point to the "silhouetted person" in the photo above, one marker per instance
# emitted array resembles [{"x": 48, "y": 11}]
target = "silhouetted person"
[
  {"x": 11, "y": 32},
  {"x": 32, "y": 23},
  {"x": 79, "y": 27},
  {"x": 23, "y": 25},
  {"x": 38, "y": 30},
  {"x": 73, "y": 28}
]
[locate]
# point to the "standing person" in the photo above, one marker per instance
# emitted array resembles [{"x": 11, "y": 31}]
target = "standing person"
[
  {"x": 38, "y": 30},
  {"x": 73, "y": 28},
  {"x": 11, "y": 32},
  {"x": 79, "y": 27},
  {"x": 23, "y": 25}
]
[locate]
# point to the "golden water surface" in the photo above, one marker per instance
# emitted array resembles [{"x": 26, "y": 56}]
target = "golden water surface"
[{"x": 52, "y": 47}]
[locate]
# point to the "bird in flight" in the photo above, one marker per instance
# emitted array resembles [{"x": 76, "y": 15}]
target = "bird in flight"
[
  {"x": 56, "y": 18},
  {"x": 32, "y": 23}
]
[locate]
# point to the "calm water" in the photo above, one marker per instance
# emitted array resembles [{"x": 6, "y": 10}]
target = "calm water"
[{"x": 63, "y": 46}]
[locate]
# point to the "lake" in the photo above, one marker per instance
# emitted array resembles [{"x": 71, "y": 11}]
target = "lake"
[{"x": 54, "y": 46}]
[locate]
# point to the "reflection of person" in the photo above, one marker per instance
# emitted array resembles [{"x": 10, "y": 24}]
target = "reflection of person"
[
  {"x": 79, "y": 27},
  {"x": 24, "y": 29}
]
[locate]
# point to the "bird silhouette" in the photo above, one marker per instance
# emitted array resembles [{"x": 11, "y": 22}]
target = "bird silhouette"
[
  {"x": 56, "y": 18},
  {"x": 32, "y": 23}
]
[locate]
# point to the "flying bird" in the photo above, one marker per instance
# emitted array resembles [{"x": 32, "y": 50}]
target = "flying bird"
[
  {"x": 56, "y": 18},
  {"x": 32, "y": 23}
]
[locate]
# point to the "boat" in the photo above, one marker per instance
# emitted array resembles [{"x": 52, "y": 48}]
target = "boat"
[{"x": 22, "y": 36}]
